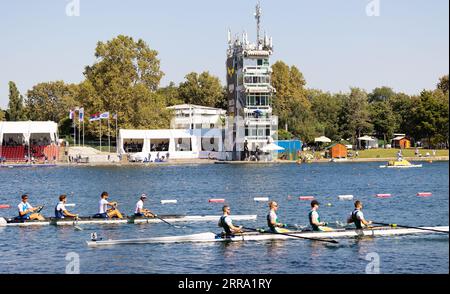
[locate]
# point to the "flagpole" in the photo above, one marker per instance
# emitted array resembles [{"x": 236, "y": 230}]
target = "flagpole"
[
  {"x": 100, "y": 121},
  {"x": 74, "y": 130},
  {"x": 117, "y": 146},
  {"x": 83, "y": 130},
  {"x": 109, "y": 137},
  {"x": 79, "y": 128}
]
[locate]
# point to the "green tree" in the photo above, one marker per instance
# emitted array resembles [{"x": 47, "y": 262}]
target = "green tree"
[
  {"x": 51, "y": 101},
  {"x": 16, "y": 109},
  {"x": 354, "y": 117},
  {"x": 383, "y": 119},
  {"x": 203, "y": 89},
  {"x": 326, "y": 108},
  {"x": 2, "y": 115},
  {"x": 124, "y": 80},
  {"x": 402, "y": 107},
  {"x": 381, "y": 94},
  {"x": 170, "y": 94},
  {"x": 443, "y": 84}
]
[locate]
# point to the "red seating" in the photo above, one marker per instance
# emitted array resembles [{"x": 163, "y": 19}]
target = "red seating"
[{"x": 18, "y": 153}]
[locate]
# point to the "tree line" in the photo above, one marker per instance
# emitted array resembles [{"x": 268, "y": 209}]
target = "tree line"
[{"x": 125, "y": 80}]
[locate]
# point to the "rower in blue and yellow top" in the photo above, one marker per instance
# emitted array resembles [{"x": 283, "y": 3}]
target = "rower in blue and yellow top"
[
  {"x": 272, "y": 219},
  {"x": 226, "y": 223},
  {"x": 314, "y": 218},
  {"x": 357, "y": 216},
  {"x": 28, "y": 212},
  {"x": 61, "y": 211}
]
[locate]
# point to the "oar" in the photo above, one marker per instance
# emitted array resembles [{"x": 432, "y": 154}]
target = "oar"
[
  {"x": 294, "y": 236},
  {"x": 160, "y": 218},
  {"x": 408, "y": 227}
]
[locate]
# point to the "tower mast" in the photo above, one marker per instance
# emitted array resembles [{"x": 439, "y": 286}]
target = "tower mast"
[{"x": 258, "y": 15}]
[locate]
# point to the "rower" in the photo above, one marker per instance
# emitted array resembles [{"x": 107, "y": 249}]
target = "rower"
[
  {"x": 272, "y": 219},
  {"x": 103, "y": 211},
  {"x": 27, "y": 212},
  {"x": 357, "y": 216},
  {"x": 314, "y": 218},
  {"x": 140, "y": 211},
  {"x": 226, "y": 223},
  {"x": 61, "y": 211}
]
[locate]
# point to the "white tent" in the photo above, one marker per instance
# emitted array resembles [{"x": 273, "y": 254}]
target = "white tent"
[
  {"x": 366, "y": 138},
  {"x": 322, "y": 139},
  {"x": 27, "y": 128},
  {"x": 370, "y": 141},
  {"x": 272, "y": 147}
]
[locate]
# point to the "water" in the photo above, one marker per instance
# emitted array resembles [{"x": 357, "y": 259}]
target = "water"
[{"x": 43, "y": 250}]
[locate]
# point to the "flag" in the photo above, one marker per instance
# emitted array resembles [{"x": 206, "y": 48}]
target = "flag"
[
  {"x": 81, "y": 113},
  {"x": 71, "y": 114},
  {"x": 94, "y": 117},
  {"x": 104, "y": 115}
]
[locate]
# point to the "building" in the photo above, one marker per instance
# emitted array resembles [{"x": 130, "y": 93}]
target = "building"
[
  {"x": 22, "y": 141},
  {"x": 401, "y": 141},
  {"x": 175, "y": 143},
  {"x": 250, "y": 93},
  {"x": 338, "y": 150},
  {"x": 188, "y": 116}
]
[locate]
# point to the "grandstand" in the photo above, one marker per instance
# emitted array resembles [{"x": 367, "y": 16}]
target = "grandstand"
[{"x": 29, "y": 142}]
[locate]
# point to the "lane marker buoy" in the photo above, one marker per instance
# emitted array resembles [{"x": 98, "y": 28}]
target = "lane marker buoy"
[
  {"x": 424, "y": 194},
  {"x": 345, "y": 197},
  {"x": 306, "y": 198},
  {"x": 216, "y": 200},
  {"x": 169, "y": 201},
  {"x": 384, "y": 195},
  {"x": 261, "y": 199}
]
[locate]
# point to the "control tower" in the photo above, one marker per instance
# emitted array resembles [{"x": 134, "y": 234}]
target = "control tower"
[{"x": 250, "y": 92}]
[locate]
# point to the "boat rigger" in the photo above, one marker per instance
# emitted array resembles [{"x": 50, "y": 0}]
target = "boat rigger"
[
  {"x": 129, "y": 220},
  {"x": 260, "y": 236}
]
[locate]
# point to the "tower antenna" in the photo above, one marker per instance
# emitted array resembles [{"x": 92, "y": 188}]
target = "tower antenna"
[{"x": 258, "y": 15}]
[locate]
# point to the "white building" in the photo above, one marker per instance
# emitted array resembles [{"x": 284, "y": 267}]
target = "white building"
[
  {"x": 175, "y": 144},
  {"x": 189, "y": 116}
]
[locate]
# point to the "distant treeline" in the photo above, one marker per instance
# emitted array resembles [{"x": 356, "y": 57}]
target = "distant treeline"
[{"x": 126, "y": 78}]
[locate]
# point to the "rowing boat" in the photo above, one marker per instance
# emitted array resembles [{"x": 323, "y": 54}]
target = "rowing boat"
[
  {"x": 129, "y": 220},
  {"x": 256, "y": 236}
]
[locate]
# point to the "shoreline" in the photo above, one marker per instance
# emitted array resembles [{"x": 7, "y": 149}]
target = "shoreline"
[{"x": 207, "y": 161}]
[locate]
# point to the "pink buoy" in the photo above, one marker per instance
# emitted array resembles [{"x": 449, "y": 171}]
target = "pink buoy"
[
  {"x": 306, "y": 198},
  {"x": 4, "y": 206},
  {"x": 424, "y": 194},
  {"x": 384, "y": 195},
  {"x": 216, "y": 200}
]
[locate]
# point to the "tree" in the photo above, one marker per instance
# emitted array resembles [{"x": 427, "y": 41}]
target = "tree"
[
  {"x": 51, "y": 101},
  {"x": 124, "y": 80},
  {"x": 443, "y": 84},
  {"x": 2, "y": 115},
  {"x": 383, "y": 119},
  {"x": 381, "y": 94},
  {"x": 171, "y": 94},
  {"x": 16, "y": 111},
  {"x": 354, "y": 117},
  {"x": 326, "y": 108},
  {"x": 203, "y": 89}
]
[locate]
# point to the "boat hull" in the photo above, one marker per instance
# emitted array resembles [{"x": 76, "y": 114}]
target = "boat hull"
[
  {"x": 93, "y": 221},
  {"x": 254, "y": 236}
]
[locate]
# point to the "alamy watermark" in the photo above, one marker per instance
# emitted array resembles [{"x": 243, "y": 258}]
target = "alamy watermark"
[
  {"x": 73, "y": 265},
  {"x": 373, "y": 8},
  {"x": 73, "y": 8},
  {"x": 373, "y": 267}
]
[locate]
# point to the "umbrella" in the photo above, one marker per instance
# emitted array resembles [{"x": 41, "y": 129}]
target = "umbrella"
[
  {"x": 366, "y": 138},
  {"x": 322, "y": 139},
  {"x": 272, "y": 147}
]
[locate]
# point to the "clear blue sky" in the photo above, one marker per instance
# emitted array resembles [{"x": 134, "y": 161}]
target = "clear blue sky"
[{"x": 334, "y": 43}]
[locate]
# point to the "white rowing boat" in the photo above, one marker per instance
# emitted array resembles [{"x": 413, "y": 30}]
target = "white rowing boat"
[
  {"x": 256, "y": 236},
  {"x": 95, "y": 221}
]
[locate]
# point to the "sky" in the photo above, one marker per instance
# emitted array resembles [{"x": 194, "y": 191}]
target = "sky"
[{"x": 337, "y": 44}]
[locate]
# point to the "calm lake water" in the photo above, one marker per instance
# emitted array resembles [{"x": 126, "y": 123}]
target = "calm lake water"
[{"x": 43, "y": 250}]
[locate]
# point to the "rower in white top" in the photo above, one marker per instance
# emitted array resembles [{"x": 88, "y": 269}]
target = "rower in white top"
[
  {"x": 226, "y": 223},
  {"x": 104, "y": 212},
  {"x": 61, "y": 211},
  {"x": 28, "y": 212},
  {"x": 357, "y": 216},
  {"x": 140, "y": 211}
]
